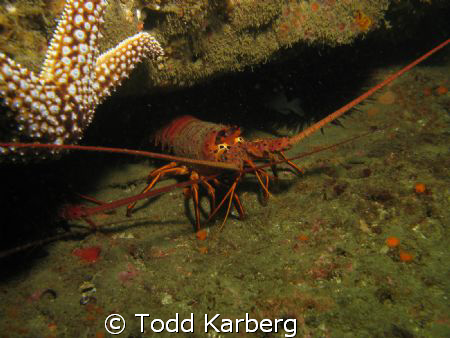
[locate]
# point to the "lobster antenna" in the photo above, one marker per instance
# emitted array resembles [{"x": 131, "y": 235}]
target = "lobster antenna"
[
  {"x": 341, "y": 111},
  {"x": 220, "y": 165}
]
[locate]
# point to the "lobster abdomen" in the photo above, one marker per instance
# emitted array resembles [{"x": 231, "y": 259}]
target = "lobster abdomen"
[{"x": 187, "y": 136}]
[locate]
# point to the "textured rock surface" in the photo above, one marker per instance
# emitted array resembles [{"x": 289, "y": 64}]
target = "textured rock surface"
[{"x": 204, "y": 38}]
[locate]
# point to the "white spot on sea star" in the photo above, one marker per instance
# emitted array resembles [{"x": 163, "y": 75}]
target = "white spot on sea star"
[
  {"x": 60, "y": 130},
  {"x": 72, "y": 90},
  {"x": 89, "y": 6},
  {"x": 66, "y": 50},
  {"x": 43, "y": 110},
  {"x": 6, "y": 70},
  {"x": 83, "y": 48},
  {"x": 80, "y": 35},
  {"x": 54, "y": 109},
  {"x": 23, "y": 85},
  {"x": 78, "y": 19},
  {"x": 75, "y": 73},
  {"x": 66, "y": 61},
  {"x": 16, "y": 104}
]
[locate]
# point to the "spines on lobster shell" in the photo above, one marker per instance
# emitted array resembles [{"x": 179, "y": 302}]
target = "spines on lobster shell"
[
  {"x": 262, "y": 148},
  {"x": 190, "y": 137}
]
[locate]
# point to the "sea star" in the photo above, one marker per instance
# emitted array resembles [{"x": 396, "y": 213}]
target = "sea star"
[{"x": 57, "y": 105}]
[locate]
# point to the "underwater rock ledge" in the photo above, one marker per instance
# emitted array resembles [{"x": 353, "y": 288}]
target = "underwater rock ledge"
[{"x": 205, "y": 38}]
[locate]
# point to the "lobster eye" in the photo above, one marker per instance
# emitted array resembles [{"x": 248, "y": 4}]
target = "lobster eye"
[
  {"x": 223, "y": 146},
  {"x": 239, "y": 139}
]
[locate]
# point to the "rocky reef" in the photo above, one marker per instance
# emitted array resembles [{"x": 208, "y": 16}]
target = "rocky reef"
[{"x": 205, "y": 38}]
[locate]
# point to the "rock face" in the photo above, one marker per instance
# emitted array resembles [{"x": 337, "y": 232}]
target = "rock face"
[{"x": 205, "y": 38}]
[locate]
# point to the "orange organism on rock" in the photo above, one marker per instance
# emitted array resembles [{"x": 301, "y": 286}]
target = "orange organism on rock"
[
  {"x": 303, "y": 238},
  {"x": 420, "y": 188},
  {"x": 405, "y": 256},
  {"x": 363, "y": 21},
  {"x": 392, "y": 242},
  {"x": 441, "y": 90}
]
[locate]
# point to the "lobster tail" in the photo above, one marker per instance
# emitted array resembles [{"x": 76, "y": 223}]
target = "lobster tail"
[{"x": 189, "y": 137}]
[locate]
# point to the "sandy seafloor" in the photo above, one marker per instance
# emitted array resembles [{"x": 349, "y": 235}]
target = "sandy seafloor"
[{"x": 315, "y": 253}]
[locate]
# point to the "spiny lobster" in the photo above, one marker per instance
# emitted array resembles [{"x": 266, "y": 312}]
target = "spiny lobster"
[{"x": 204, "y": 150}]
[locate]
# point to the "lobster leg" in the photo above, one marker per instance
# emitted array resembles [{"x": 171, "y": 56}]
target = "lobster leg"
[
  {"x": 194, "y": 193},
  {"x": 174, "y": 168},
  {"x": 292, "y": 164},
  {"x": 236, "y": 201},
  {"x": 156, "y": 175},
  {"x": 239, "y": 207},
  {"x": 232, "y": 193},
  {"x": 266, "y": 176},
  {"x": 211, "y": 192},
  {"x": 233, "y": 198},
  {"x": 258, "y": 174}
]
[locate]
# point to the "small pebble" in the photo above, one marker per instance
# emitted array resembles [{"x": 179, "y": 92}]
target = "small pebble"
[
  {"x": 84, "y": 300},
  {"x": 49, "y": 294}
]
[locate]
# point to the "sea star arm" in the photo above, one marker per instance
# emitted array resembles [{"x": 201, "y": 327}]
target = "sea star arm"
[
  {"x": 117, "y": 63},
  {"x": 16, "y": 83},
  {"x": 73, "y": 48}
]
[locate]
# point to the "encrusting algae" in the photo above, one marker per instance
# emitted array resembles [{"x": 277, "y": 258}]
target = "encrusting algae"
[{"x": 206, "y": 38}]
